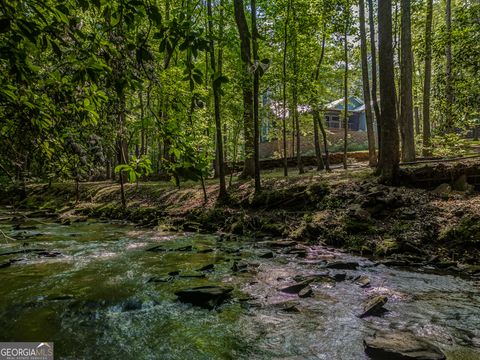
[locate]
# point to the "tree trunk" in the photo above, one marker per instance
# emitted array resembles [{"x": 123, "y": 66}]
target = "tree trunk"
[
  {"x": 406, "y": 97},
  {"x": 295, "y": 92},
  {"x": 142, "y": 121},
  {"x": 325, "y": 144},
  {"x": 449, "y": 123},
  {"x": 345, "y": 90},
  {"x": 248, "y": 124},
  {"x": 122, "y": 190},
  {"x": 373, "y": 54},
  {"x": 427, "y": 80},
  {"x": 372, "y": 156},
  {"x": 316, "y": 138},
  {"x": 389, "y": 160},
  {"x": 256, "y": 85},
  {"x": 216, "y": 99},
  {"x": 314, "y": 106},
  {"x": 284, "y": 91},
  {"x": 416, "y": 111}
]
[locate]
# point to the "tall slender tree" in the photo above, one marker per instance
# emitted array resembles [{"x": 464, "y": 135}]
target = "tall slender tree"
[
  {"x": 389, "y": 159},
  {"x": 295, "y": 92},
  {"x": 449, "y": 122},
  {"x": 256, "y": 85},
  {"x": 406, "y": 97},
  {"x": 284, "y": 90},
  {"x": 314, "y": 106},
  {"x": 247, "y": 88},
  {"x": 427, "y": 80},
  {"x": 373, "y": 54},
  {"x": 372, "y": 156},
  {"x": 345, "y": 84},
  {"x": 216, "y": 85}
]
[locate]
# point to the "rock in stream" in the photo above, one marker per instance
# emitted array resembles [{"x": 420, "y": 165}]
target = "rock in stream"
[{"x": 400, "y": 345}]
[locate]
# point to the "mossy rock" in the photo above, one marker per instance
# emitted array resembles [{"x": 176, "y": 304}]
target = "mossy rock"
[
  {"x": 355, "y": 226},
  {"x": 465, "y": 233},
  {"x": 317, "y": 192}
]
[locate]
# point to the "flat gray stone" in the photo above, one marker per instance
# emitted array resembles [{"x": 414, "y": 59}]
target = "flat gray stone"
[
  {"x": 374, "y": 306},
  {"x": 400, "y": 345}
]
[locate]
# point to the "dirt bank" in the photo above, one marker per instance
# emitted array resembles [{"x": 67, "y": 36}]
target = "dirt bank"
[{"x": 401, "y": 226}]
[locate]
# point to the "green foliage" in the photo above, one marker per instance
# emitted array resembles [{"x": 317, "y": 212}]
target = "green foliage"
[
  {"x": 136, "y": 169},
  {"x": 452, "y": 144},
  {"x": 82, "y": 79}
]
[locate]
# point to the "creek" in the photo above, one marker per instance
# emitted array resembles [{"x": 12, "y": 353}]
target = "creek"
[{"x": 94, "y": 290}]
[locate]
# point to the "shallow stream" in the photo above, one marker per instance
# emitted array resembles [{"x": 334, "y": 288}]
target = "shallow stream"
[{"x": 97, "y": 293}]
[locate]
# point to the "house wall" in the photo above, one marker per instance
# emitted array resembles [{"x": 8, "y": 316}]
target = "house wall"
[
  {"x": 274, "y": 148},
  {"x": 355, "y": 120},
  {"x": 362, "y": 126}
]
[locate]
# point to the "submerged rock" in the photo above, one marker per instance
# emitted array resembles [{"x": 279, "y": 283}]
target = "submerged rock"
[
  {"x": 50, "y": 254},
  {"x": 319, "y": 277},
  {"x": 266, "y": 254},
  {"x": 205, "y": 250},
  {"x": 207, "y": 267},
  {"x": 343, "y": 265},
  {"x": 305, "y": 292},
  {"x": 191, "y": 274},
  {"x": 295, "y": 289},
  {"x": 60, "y": 297},
  {"x": 5, "y": 264},
  {"x": 160, "y": 248},
  {"x": 244, "y": 266},
  {"x": 363, "y": 281},
  {"x": 374, "y": 306},
  {"x": 205, "y": 296},
  {"x": 400, "y": 345},
  {"x": 338, "y": 277},
  {"x": 300, "y": 252}
]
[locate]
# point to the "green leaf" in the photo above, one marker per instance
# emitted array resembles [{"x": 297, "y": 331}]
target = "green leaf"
[{"x": 154, "y": 14}]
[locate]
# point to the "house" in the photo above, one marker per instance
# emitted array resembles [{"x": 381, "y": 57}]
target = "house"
[
  {"x": 272, "y": 147},
  {"x": 356, "y": 119}
]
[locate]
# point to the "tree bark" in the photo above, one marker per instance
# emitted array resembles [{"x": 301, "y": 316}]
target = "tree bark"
[
  {"x": 389, "y": 160},
  {"x": 449, "y": 122},
  {"x": 345, "y": 90},
  {"x": 373, "y": 54},
  {"x": 216, "y": 85},
  {"x": 416, "y": 111},
  {"x": 284, "y": 91},
  {"x": 427, "y": 80},
  {"x": 247, "y": 83},
  {"x": 314, "y": 107},
  {"x": 372, "y": 156},
  {"x": 256, "y": 85},
  {"x": 142, "y": 121},
  {"x": 295, "y": 93},
  {"x": 406, "y": 97}
]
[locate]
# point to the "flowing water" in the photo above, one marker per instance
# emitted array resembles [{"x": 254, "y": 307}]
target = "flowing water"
[{"x": 96, "y": 301}]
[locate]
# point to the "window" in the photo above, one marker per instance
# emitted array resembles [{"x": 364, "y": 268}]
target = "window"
[{"x": 333, "y": 122}]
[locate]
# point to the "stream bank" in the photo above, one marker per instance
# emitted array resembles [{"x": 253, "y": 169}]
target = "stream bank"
[{"x": 398, "y": 225}]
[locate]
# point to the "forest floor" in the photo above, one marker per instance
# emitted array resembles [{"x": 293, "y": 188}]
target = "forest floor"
[{"x": 347, "y": 209}]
